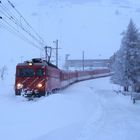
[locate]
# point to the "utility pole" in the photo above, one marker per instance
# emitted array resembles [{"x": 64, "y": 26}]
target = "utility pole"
[
  {"x": 48, "y": 53},
  {"x": 56, "y": 43},
  {"x": 83, "y": 60},
  {"x": 66, "y": 62}
]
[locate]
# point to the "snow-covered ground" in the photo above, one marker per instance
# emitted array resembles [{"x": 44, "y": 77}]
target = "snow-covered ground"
[{"x": 88, "y": 110}]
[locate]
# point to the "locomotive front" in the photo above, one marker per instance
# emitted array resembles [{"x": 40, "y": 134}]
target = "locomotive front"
[{"x": 31, "y": 78}]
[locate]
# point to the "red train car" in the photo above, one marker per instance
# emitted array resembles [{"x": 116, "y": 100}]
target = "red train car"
[{"x": 38, "y": 77}]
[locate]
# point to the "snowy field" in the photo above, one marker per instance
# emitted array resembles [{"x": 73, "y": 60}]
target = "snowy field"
[{"x": 88, "y": 110}]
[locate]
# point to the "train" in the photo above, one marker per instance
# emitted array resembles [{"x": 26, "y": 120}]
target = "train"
[{"x": 37, "y": 77}]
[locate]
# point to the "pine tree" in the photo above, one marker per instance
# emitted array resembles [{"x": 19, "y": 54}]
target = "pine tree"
[
  {"x": 132, "y": 44},
  {"x": 119, "y": 77},
  {"x": 127, "y": 63}
]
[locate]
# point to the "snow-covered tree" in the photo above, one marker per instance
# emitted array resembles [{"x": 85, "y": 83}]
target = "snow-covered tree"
[
  {"x": 119, "y": 77},
  {"x": 127, "y": 61},
  {"x": 3, "y": 72},
  {"x": 131, "y": 42}
]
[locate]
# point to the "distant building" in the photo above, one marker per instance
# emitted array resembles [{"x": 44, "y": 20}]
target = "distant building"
[{"x": 86, "y": 64}]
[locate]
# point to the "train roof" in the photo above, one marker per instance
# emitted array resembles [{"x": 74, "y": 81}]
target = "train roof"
[{"x": 37, "y": 62}]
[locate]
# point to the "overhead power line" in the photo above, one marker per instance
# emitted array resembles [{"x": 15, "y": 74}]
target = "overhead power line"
[
  {"x": 13, "y": 30},
  {"x": 12, "y": 5},
  {"x": 11, "y": 20}
]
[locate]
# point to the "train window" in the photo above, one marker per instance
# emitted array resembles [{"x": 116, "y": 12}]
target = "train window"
[
  {"x": 39, "y": 72},
  {"x": 25, "y": 72}
]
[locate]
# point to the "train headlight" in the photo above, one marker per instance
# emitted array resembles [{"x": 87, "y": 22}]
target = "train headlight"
[
  {"x": 30, "y": 63},
  {"x": 19, "y": 86},
  {"x": 39, "y": 85}
]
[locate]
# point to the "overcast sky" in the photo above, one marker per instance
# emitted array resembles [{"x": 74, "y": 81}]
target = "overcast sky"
[{"x": 93, "y": 26}]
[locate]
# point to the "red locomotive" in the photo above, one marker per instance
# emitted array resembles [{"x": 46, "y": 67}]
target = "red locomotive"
[{"x": 38, "y": 77}]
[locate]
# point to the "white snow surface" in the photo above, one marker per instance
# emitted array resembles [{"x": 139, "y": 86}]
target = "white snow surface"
[{"x": 88, "y": 110}]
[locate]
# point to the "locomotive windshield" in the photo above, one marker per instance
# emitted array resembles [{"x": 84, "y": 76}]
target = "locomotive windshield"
[
  {"x": 25, "y": 72},
  {"x": 39, "y": 72},
  {"x": 30, "y": 72}
]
